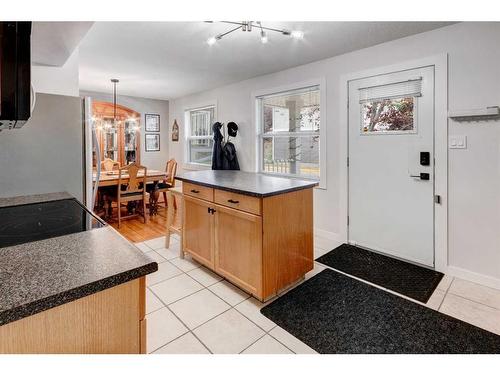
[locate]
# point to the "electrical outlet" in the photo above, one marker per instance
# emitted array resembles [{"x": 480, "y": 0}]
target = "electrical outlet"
[{"x": 457, "y": 141}]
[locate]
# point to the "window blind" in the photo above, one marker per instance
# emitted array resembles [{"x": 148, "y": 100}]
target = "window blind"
[{"x": 402, "y": 89}]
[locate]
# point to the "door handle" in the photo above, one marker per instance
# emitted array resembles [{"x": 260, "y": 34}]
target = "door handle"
[
  {"x": 195, "y": 191},
  {"x": 211, "y": 210},
  {"x": 422, "y": 176},
  {"x": 233, "y": 201}
]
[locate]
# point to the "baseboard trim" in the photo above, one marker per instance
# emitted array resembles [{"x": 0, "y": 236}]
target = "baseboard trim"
[
  {"x": 474, "y": 277},
  {"x": 328, "y": 235}
]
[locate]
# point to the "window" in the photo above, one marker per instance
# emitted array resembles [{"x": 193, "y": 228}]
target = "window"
[
  {"x": 390, "y": 108},
  {"x": 385, "y": 115},
  {"x": 290, "y": 133},
  {"x": 199, "y": 135}
]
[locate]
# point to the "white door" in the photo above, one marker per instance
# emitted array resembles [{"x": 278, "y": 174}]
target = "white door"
[{"x": 391, "y": 164}]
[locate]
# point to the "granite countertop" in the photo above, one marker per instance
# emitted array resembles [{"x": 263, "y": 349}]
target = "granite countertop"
[
  {"x": 254, "y": 184},
  {"x": 40, "y": 275}
]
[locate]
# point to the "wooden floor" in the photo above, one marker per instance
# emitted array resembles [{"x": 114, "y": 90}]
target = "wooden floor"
[{"x": 136, "y": 231}]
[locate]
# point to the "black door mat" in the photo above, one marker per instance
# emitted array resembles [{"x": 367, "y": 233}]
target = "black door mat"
[
  {"x": 334, "y": 313},
  {"x": 405, "y": 278}
]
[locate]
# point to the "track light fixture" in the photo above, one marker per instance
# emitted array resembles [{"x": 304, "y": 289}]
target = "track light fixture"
[{"x": 246, "y": 26}]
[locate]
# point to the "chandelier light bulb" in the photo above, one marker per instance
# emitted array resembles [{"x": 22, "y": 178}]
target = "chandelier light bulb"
[
  {"x": 297, "y": 34},
  {"x": 211, "y": 41}
]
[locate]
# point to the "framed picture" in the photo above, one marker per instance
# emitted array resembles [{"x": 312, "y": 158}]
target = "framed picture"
[
  {"x": 152, "y": 142},
  {"x": 152, "y": 122},
  {"x": 175, "y": 132}
]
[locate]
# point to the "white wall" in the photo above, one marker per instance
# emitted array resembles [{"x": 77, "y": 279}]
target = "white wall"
[
  {"x": 46, "y": 154},
  {"x": 57, "y": 80},
  {"x": 474, "y": 173},
  {"x": 150, "y": 159}
]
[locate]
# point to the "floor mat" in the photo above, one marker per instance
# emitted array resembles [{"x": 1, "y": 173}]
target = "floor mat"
[
  {"x": 334, "y": 313},
  {"x": 405, "y": 278}
]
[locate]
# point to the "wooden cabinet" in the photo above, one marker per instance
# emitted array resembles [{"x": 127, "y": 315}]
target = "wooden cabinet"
[
  {"x": 262, "y": 245},
  {"x": 199, "y": 230},
  {"x": 120, "y": 140},
  {"x": 238, "y": 244},
  {"x": 111, "y": 321}
]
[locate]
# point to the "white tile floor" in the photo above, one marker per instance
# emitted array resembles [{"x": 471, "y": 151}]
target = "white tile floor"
[{"x": 192, "y": 310}]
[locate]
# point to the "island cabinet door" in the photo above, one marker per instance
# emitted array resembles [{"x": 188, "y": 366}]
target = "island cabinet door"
[
  {"x": 238, "y": 248},
  {"x": 199, "y": 230}
]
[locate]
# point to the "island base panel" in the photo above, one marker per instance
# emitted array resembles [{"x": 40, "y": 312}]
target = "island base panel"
[{"x": 110, "y": 321}]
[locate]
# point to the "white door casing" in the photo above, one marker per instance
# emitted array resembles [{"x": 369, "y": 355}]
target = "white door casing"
[{"x": 390, "y": 211}]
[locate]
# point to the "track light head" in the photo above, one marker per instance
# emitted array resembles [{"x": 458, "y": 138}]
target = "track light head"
[{"x": 263, "y": 37}]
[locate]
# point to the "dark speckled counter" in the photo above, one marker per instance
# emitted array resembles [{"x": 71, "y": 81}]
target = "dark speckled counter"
[
  {"x": 40, "y": 275},
  {"x": 254, "y": 184}
]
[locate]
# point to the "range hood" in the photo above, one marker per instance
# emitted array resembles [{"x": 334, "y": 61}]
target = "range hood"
[{"x": 15, "y": 74}]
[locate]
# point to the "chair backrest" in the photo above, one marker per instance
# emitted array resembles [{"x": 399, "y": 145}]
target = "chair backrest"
[
  {"x": 136, "y": 179},
  {"x": 109, "y": 165},
  {"x": 171, "y": 170}
]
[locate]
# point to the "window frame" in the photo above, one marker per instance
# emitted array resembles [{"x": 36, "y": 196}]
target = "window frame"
[
  {"x": 188, "y": 137},
  {"x": 259, "y": 126}
]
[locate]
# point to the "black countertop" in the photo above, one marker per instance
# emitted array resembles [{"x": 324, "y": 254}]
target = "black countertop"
[
  {"x": 40, "y": 275},
  {"x": 254, "y": 184}
]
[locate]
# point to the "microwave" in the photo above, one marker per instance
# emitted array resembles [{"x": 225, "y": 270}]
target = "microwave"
[{"x": 15, "y": 74}]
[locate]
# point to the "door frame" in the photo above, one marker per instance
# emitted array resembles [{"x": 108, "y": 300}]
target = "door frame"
[{"x": 440, "y": 63}]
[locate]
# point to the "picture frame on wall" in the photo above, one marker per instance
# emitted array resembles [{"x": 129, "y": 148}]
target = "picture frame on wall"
[
  {"x": 152, "y": 142},
  {"x": 152, "y": 122}
]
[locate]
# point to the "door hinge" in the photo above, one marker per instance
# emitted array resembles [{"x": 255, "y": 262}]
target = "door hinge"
[
  {"x": 437, "y": 199},
  {"x": 348, "y": 161},
  {"x": 347, "y": 220}
]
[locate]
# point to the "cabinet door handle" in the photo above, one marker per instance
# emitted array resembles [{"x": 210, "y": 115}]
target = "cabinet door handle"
[
  {"x": 195, "y": 191},
  {"x": 233, "y": 201},
  {"x": 211, "y": 210}
]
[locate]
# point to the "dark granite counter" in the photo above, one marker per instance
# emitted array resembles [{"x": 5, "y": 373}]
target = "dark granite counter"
[
  {"x": 40, "y": 275},
  {"x": 254, "y": 184}
]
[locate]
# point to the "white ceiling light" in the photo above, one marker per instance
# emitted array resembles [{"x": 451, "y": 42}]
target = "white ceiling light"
[
  {"x": 297, "y": 34},
  {"x": 246, "y": 26}
]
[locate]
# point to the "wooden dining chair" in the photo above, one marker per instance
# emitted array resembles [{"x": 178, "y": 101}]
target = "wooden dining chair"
[
  {"x": 131, "y": 188},
  {"x": 108, "y": 165},
  {"x": 163, "y": 187}
]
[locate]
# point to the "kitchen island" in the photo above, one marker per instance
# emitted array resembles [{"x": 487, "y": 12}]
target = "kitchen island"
[
  {"x": 255, "y": 230},
  {"x": 82, "y": 292}
]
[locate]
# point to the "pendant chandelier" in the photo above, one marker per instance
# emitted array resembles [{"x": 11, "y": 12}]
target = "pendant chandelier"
[{"x": 249, "y": 26}]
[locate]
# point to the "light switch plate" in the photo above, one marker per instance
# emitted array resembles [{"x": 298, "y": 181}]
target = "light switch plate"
[{"x": 457, "y": 141}]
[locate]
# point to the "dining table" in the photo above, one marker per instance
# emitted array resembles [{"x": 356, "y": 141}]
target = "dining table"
[{"x": 110, "y": 178}]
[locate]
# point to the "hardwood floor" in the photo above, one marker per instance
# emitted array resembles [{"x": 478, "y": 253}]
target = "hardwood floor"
[{"x": 136, "y": 231}]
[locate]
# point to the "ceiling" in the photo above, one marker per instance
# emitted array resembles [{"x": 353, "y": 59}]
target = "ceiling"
[
  {"x": 54, "y": 42},
  {"x": 166, "y": 60}
]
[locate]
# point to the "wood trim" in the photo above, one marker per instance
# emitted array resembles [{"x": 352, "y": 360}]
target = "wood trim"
[
  {"x": 104, "y": 322},
  {"x": 143, "y": 327},
  {"x": 287, "y": 239},
  {"x": 142, "y": 297}
]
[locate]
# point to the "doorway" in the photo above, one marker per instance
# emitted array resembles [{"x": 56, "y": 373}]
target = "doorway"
[{"x": 391, "y": 171}]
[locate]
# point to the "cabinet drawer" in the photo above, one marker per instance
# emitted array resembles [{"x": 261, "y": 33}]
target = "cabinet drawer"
[
  {"x": 238, "y": 201},
  {"x": 198, "y": 191}
]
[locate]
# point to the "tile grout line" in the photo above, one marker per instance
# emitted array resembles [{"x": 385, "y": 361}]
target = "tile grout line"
[
  {"x": 471, "y": 300},
  {"x": 445, "y": 294}
]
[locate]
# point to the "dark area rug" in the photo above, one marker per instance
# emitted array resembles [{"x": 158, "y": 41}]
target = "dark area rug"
[
  {"x": 334, "y": 313},
  {"x": 408, "y": 279}
]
